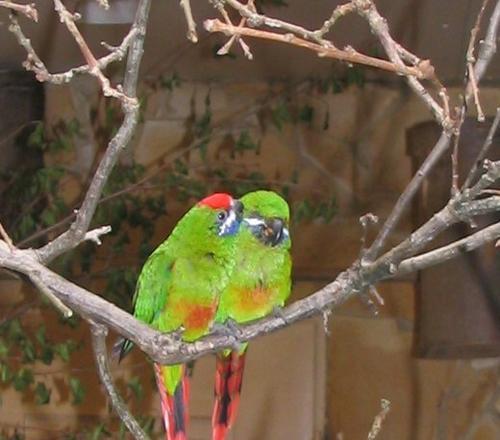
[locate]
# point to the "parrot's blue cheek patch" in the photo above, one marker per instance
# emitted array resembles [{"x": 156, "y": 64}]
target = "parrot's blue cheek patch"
[
  {"x": 230, "y": 230},
  {"x": 230, "y": 226}
]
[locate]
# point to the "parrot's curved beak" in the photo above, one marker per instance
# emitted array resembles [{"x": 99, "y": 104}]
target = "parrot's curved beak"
[
  {"x": 270, "y": 231},
  {"x": 237, "y": 207},
  {"x": 277, "y": 231}
]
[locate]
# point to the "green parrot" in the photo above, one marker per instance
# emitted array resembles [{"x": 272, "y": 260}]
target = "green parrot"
[
  {"x": 179, "y": 289},
  {"x": 260, "y": 282}
]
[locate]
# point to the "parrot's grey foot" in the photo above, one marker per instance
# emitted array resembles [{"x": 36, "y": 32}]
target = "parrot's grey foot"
[
  {"x": 233, "y": 327},
  {"x": 278, "y": 313},
  {"x": 177, "y": 334},
  {"x": 221, "y": 329}
]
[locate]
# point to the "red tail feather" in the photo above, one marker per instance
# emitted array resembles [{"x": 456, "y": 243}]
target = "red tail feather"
[
  {"x": 174, "y": 408},
  {"x": 228, "y": 379}
]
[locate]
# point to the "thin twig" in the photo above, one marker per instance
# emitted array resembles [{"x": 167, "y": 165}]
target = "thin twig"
[
  {"x": 191, "y": 33},
  {"x": 450, "y": 251},
  {"x": 349, "y": 55},
  {"x": 29, "y": 11},
  {"x": 69, "y": 21},
  {"x": 338, "y": 12},
  {"x": 34, "y": 63},
  {"x": 475, "y": 92},
  {"x": 470, "y": 60},
  {"x": 379, "y": 419},
  {"x": 58, "y": 304},
  {"x": 99, "y": 333},
  {"x": 487, "y": 48},
  {"x": 378, "y": 25},
  {"x": 454, "y": 166},
  {"x": 407, "y": 195},
  {"x": 6, "y": 238},
  {"x": 484, "y": 150}
]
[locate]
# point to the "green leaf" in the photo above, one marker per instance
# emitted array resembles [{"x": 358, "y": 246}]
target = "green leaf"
[
  {"x": 306, "y": 114},
  {"x": 64, "y": 349},
  {"x": 280, "y": 115},
  {"x": 99, "y": 431},
  {"x": 48, "y": 217},
  {"x": 136, "y": 387},
  {"x": 245, "y": 142},
  {"x": 180, "y": 167},
  {"x": 22, "y": 379},
  {"x": 16, "y": 331},
  {"x": 77, "y": 390},
  {"x": 42, "y": 394},
  {"x": 36, "y": 138},
  {"x": 46, "y": 355},
  {"x": 4, "y": 348},
  {"x": 28, "y": 351},
  {"x": 40, "y": 335},
  {"x": 147, "y": 423},
  {"x": 171, "y": 82},
  {"x": 5, "y": 373}
]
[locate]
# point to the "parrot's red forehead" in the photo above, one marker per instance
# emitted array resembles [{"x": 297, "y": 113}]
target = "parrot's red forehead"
[{"x": 217, "y": 201}]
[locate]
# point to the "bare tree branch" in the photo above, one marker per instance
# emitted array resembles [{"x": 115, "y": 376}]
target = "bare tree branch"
[
  {"x": 420, "y": 69},
  {"x": 441, "y": 146},
  {"x": 379, "y": 419},
  {"x": 407, "y": 195},
  {"x": 29, "y": 11},
  {"x": 6, "y": 238},
  {"x": 191, "y": 34},
  {"x": 35, "y": 64},
  {"x": 58, "y": 304},
  {"x": 75, "y": 234},
  {"x": 484, "y": 150},
  {"x": 99, "y": 333},
  {"x": 349, "y": 55},
  {"x": 445, "y": 253},
  {"x": 487, "y": 49},
  {"x": 69, "y": 21}
]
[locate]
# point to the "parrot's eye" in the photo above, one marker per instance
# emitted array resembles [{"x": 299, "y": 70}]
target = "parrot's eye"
[
  {"x": 221, "y": 216},
  {"x": 228, "y": 222}
]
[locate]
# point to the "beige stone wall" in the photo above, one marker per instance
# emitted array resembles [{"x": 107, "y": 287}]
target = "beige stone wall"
[{"x": 361, "y": 158}]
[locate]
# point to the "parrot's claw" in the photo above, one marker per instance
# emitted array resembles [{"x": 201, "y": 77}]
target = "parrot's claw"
[
  {"x": 221, "y": 329},
  {"x": 230, "y": 328},
  {"x": 177, "y": 334},
  {"x": 278, "y": 313},
  {"x": 234, "y": 328}
]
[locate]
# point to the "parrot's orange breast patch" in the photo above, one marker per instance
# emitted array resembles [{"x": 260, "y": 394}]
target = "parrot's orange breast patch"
[
  {"x": 198, "y": 317},
  {"x": 255, "y": 300}
]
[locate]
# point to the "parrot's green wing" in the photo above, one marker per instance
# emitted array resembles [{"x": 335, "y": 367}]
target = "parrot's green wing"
[
  {"x": 151, "y": 291},
  {"x": 153, "y": 286}
]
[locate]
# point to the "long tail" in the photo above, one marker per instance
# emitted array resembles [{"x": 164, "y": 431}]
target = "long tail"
[
  {"x": 228, "y": 379},
  {"x": 174, "y": 407}
]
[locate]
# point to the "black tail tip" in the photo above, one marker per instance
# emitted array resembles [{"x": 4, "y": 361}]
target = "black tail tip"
[{"x": 121, "y": 348}]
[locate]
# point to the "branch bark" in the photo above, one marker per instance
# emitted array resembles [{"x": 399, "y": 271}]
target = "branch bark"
[
  {"x": 445, "y": 253},
  {"x": 29, "y": 10},
  {"x": 99, "y": 333}
]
